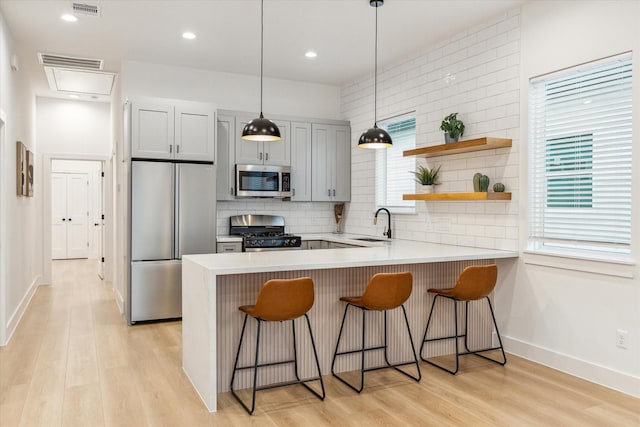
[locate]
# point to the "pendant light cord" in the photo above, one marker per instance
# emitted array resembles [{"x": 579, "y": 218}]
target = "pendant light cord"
[
  {"x": 375, "y": 78},
  {"x": 261, "y": 50}
]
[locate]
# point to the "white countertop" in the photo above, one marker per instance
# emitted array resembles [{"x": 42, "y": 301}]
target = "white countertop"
[{"x": 372, "y": 253}]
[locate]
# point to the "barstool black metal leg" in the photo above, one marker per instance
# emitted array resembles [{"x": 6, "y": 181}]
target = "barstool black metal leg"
[
  {"x": 413, "y": 350},
  {"x": 413, "y": 347},
  {"x": 335, "y": 353},
  {"x": 255, "y": 369},
  {"x": 466, "y": 326},
  {"x": 295, "y": 351},
  {"x": 362, "y": 351},
  {"x": 426, "y": 329},
  {"x": 455, "y": 322},
  {"x": 495, "y": 325},
  {"x": 315, "y": 354}
]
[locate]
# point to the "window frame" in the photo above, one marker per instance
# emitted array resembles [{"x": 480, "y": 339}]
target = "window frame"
[{"x": 408, "y": 207}]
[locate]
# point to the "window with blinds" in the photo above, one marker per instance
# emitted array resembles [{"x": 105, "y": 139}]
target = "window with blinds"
[
  {"x": 580, "y": 159},
  {"x": 393, "y": 177}
]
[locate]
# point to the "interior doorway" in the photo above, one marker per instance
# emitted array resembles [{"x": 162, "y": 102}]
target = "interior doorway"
[{"x": 77, "y": 208}]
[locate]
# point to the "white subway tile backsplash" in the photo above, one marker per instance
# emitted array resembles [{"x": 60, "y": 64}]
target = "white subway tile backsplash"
[{"x": 474, "y": 73}]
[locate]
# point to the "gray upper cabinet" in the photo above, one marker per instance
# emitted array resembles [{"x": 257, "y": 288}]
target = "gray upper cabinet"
[
  {"x": 152, "y": 130},
  {"x": 275, "y": 153},
  {"x": 331, "y": 163},
  {"x": 195, "y": 131},
  {"x": 300, "y": 162},
  {"x": 167, "y": 129},
  {"x": 225, "y": 175}
]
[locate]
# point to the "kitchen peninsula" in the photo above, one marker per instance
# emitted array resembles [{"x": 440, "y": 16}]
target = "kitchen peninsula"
[{"x": 214, "y": 285}]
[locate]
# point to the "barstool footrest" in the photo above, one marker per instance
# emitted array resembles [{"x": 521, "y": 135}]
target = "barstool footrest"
[{"x": 262, "y": 365}]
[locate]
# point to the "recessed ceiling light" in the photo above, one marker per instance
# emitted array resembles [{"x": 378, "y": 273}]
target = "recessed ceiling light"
[
  {"x": 69, "y": 18},
  {"x": 74, "y": 96},
  {"x": 310, "y": 54},
  {"x": 188, "y": 35}
]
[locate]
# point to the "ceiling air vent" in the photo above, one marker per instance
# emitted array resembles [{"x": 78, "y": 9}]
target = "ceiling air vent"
[
  {"x": 86, "y": 9},
  {"x": 70, "y": 61}
]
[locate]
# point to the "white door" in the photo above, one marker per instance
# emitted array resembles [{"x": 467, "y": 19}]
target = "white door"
[{"x": 70, "y": 215}]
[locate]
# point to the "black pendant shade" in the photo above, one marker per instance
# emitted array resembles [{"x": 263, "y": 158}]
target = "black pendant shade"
[
  {"x": 375, "y": 137},
  {"x": 261, "y": 129}
]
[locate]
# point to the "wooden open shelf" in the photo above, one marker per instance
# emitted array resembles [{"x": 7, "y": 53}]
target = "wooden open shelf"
[
  {"x": 457, "y": 196},
  {"x": 478, "y": 144}
]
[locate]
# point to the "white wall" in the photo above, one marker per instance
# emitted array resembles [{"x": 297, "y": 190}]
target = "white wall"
[
  {"x": 230, "y": 91},
  {"x": 475, "y": 74},
  {"x": 20, "y": 228},
  {"x": 555, "y": 313}
]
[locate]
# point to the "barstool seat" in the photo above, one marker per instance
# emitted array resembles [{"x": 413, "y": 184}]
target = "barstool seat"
[
  {"x": 384, "y": 292},
  {"x": 474, "y": 283},
  {"x": 279, "y": 301}
]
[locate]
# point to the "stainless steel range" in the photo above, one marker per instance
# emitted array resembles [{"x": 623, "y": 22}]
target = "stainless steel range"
[{"x": 262, "y": 233}]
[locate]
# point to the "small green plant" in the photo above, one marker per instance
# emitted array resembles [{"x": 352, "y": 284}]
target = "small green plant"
[
  {"x": 426, "y": 176},
  {"x": 452, "y": 125}
]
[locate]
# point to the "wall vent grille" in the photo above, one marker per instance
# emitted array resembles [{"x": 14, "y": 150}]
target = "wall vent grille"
[
  {"x": 70, "y": 61},
  {"x": 86, "y": 9}
]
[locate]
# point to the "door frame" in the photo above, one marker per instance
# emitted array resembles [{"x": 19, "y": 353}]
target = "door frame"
[
  {"x": 46, "y": 204},
  {"x": 3, "y": 195}
]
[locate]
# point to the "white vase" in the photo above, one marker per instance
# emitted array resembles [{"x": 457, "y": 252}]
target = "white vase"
[{"x": 428, "y": 189}]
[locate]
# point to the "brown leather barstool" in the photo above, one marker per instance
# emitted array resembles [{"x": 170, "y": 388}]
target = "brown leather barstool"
[
  {"x": 278, "y": 301},
  {"x": 474, "y": 283},
  {"x": 384, "y": 292}
]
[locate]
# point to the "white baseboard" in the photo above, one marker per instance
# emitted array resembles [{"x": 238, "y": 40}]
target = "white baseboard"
[
  {"x": 16, "y": 316},
  {"x": 592, "y": 372}
]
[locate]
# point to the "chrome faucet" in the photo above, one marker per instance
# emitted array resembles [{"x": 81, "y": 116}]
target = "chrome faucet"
[{"x": 375, "y": 221}]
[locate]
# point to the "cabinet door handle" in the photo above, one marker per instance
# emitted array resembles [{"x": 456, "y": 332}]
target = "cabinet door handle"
[
  {"x": 334, "y": 192},
  {"x": 266, "y": 156},
  {"x": 171, "y": 149},
  {"x": 177, "y": 149},
  {"x": 329, "y": 192},
  {"x": 69, "y": 219},
  {"x": 293, "y": 192},
  {"x": 64, "y": 219},
  {"x": 260, "y": 156},
  {"x": 231, "y": 191}
]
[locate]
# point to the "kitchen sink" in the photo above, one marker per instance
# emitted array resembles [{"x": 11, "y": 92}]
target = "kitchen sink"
[{"x": 370, "y": 239}]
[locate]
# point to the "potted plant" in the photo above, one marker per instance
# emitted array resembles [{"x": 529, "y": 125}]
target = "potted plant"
[
  {"x": 452, "y": 128},
  {"x": 427, "y": 178}
]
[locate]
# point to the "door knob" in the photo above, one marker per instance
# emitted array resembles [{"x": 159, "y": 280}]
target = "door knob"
[
  {"x": 64, "y": 219},
  {"x": 69, "y": 219}
]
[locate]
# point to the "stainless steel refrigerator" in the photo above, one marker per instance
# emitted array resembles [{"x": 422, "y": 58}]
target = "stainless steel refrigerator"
[{"x": 173, "y": 213}]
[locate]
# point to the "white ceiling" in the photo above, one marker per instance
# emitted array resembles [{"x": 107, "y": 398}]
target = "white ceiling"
[{"x": 228, "y": 33}]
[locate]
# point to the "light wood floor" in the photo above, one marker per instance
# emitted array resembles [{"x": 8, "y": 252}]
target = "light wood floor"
[{"x": 74, "y": 361}]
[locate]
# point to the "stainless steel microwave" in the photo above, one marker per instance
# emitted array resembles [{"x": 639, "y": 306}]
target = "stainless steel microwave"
[{"x": 263, "y": 181}]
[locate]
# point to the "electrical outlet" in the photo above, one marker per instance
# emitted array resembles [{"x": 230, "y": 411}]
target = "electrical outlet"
[{"x": 621, "y": 338}]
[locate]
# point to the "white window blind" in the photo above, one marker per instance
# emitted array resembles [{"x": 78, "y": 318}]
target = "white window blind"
[
  {"x": 580, "y": 159},
  {"x": 393, "y": 177}
]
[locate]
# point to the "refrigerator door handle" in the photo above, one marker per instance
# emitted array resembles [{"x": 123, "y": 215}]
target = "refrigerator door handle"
[{"x": 177, "y": 246}]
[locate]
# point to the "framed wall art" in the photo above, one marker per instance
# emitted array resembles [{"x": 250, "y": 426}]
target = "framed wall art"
[
  {"x": 29, "y": 171},
  {"x": 21, "y": 168}
]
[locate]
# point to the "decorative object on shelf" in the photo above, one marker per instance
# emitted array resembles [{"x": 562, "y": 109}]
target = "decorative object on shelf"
[
  {"x": 484, "y": 183},
  {"x": 428, "y": 178},
  {"x": 261, "y": 129},
  {"x": 476, "y": 182},
  {"x": 375, "y": 137},
  {"x": 498, "y": 187},
  {"x": 452, "y": 127},
  {"x": 338, "y": 212}
]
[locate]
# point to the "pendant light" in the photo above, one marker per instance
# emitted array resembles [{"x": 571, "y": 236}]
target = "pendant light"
[
  {"x": 261, "y": 129},
  {"x": 375, "y": 137}
]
